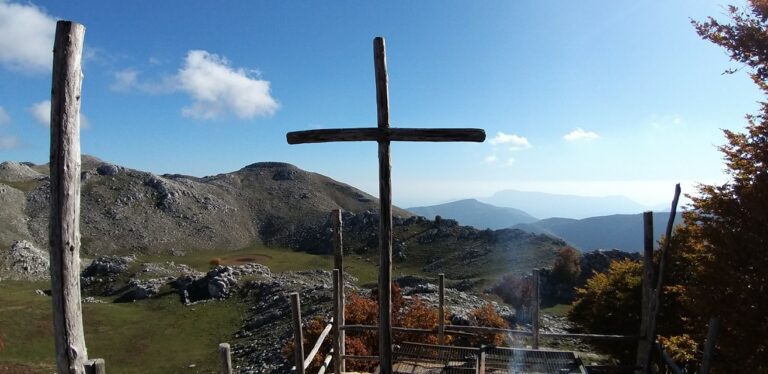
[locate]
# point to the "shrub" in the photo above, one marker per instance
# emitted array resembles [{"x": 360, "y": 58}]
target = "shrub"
[{"x": 516, "y": 291}]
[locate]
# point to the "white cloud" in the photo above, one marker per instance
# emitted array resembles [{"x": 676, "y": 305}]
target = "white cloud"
[
  {"x": 41, "y": 112},
  {"x": 666, "y": 121},
  {"x": 515, "y": 142},
  {"x": 8, "y": 142},
  {"x": 217, "y": 88},
  {"x": 26, "y": 37},
  {"x": 580, "y": 134},
  {"x": 4, "y": 117},
  {"x": 128, "y": 80},
  {"x": 490, "y": 159},
  {"x": 125, "y": 80},
  {"x": 510, "y": 161}
]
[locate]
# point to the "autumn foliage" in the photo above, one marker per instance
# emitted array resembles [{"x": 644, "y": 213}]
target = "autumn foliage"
[
  {"x": 516, "y": 291},
  {"x": 566, "y": 269},
  {"x": 363, "y": 310}
]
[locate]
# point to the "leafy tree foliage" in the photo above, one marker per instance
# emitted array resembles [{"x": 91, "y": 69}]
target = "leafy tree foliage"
[
  {"x": 566, "y": 269},
  {"x": 610, "y": 301},
  {"x": 610, "y": 304},
  {"x": 726, "y": 233},
  {"x": 484, "y": 316},
  {"x": 718, "y": 264},
  {"x": 516, "y": 291}
]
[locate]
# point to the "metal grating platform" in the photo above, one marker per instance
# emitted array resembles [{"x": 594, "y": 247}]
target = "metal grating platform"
[
  {"x": 424, "y": 358},
  {"x": 510, "y": 360}
]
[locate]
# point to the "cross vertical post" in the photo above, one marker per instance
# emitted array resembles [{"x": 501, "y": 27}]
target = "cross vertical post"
[
  {"x": 385, "y": 216},
  {"x": 383, "y": 134}
]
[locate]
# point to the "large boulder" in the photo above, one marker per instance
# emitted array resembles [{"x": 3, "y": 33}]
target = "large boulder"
[{"x": 22, "y": 261}]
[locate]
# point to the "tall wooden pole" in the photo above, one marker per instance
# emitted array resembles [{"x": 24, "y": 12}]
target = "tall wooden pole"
[
  {"x": 709, "y": 345},
  {"x": 385, "y": 223},
  {"x": 441, "y": 310},
  {"x": 338, "y": 332},
  {"x": 338, "y": 264},
  {"x": 225, "y": 359},
  {"x": 64, "y": 234},
  {"x": 298, "y": 335},
  {"x": 644, "y": 345},
  {"x": 656, "y": 295},
  {"x": 536, "y": 304}
]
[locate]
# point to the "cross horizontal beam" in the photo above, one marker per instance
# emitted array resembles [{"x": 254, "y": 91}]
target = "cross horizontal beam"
[{"x": 386, "y": 134}]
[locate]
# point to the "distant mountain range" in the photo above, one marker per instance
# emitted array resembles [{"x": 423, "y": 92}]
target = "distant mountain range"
[
  {"x": 475, "y": 213},
  {"x": 617, "y": 231},
  {"x": 614, "y": 231},
  {"x": 546, "y": 205}
]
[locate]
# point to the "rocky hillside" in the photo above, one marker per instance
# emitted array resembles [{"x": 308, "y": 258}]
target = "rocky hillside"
[
  {"x": 474, "y": 213},
  {"x": 439, "y": 246},
  {"x": 126, "y": 211}
]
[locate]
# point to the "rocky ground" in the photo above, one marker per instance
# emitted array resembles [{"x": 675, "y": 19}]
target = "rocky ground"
[
  {"x": 22, "y": 261},
  {"x": 257, "y": 345}
]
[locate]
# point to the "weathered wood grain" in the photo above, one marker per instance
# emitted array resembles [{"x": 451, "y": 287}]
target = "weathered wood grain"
[
  {"x": 225, "y": 359},
  {"x": 298, "y": 335},
  {"x": 386, "y": 134},
  {"x": 385, "y": 216},
  {"x": 644, "y": 345},
  {"x": 536, "y": 304},
  {"x": 64, "y": 230},
  {"x": 441, "y": 310}
]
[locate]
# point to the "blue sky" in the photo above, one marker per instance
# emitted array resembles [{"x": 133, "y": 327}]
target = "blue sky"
[{"x": 586, "y": 98}]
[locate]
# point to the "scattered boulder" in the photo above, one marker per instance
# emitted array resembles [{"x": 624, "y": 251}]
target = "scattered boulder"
[
  {"x": 102, "y": 276},
  {"x": 108, "y": 170},
  {"x": 140, "y": 289},
  {"x": 16, "y": 172},
  {"x": 22, "y": 261}
]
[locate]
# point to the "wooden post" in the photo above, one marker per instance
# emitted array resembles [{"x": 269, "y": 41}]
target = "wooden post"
[
  {"x": 339, "y": 305},
  {"x": 64, "y": 234},
  {"x": 385, "y": 216},
  {"x": 644, "y": 345},
  {"x": 225, "y": 359},
  {"x": 536, "y": 304},
  {"x": 298, "y": 335},
  {"x": 441, "y": 310},
  {"x": 481, "y": 360},
  {"x": 709, "y": 345},
  {"x": 95, "y": 366},
  {"x": 338, "y": 332},
  {"x": 650, "y": 334}
]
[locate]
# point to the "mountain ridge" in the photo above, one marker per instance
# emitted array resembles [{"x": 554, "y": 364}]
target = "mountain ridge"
[{"x": 475, "y": 213}]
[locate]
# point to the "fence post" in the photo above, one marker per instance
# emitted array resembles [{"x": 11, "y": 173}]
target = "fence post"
[
  {"x": 535, "y": 317},
  {"x": 709, "y": 345},
  {"x": 298, "y": 336},
  {"x": 481, "y": 360},
  {"x": 225, "y": 359},
  {"x": 64, "y": 230},
  {"x": 441, "y": 310},
  {"x": 95, "y": 366},
  {"x": 643, "y": 344},
  {"x": 338, "y": 263},
  {"x": 338, "y": 341}
]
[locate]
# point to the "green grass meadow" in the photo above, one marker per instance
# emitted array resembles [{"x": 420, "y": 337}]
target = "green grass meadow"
[{"x": 158, "y": 335}]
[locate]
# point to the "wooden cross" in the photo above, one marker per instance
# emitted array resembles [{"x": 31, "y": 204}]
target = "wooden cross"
[{"x": 383, "y": 134}]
